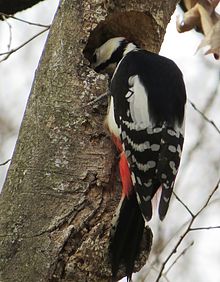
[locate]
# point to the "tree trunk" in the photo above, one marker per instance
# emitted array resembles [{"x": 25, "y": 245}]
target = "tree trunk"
[{"x": 59, "y": 197}]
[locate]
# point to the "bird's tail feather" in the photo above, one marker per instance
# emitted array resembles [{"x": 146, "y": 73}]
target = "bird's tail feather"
[{"x": 126, "y": 236}]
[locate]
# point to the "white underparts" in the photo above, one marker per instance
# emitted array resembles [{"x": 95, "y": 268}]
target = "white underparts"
[{"x": 113, "y": 128}]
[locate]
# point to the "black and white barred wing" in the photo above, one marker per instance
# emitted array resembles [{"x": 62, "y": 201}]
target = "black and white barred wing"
[
  {"x": 168, "y": 163},
  {"x": 149, "y": 150}
]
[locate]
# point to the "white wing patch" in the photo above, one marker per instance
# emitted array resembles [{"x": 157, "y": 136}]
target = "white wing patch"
[{"x": 138, "y": 102}]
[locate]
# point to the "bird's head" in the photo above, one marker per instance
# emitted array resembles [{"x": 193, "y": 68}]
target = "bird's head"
[{"x": 107, "y": 56}]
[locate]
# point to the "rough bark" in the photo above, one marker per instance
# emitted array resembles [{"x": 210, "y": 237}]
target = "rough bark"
[
  {"x": 58, "y": 199},
  {"x": 11, "y": 7}
]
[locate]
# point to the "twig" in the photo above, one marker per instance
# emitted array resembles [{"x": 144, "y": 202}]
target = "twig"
[
  {"x": 204, "y": 116},
  {"x": 186, "y": 231},
  {"x": 208, "y": 200},
  {"x": 155, "y": 261},
  {"x": 10, "y": 32},
  {"x": 205, "y": 228},
  {"x": 179, "y": 256},
  {"x": 100, "y": 97},
  {"x": 185, "y": 206},
  {"x": 4, "y": 163},
  {"x": 8, "y": 53},
  {"x": 201, "y": 129},
  {"x": 21, "y": 20}
]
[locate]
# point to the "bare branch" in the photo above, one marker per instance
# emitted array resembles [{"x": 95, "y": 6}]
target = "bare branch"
[
  {"x": 10, "y": 33},
  {"x": 204, "y": 228},
  {"x": 209, "y": 198},
  {"x": 204, "y": 116},
  {"x": 179, "y": 256},
  {"x": 211, "y": 100},
  {"x": 5, "y": 16},
  {"x": 185, "y": 206},
  {"x": 174, "y": 250},
  {"x": 4, "y": 163},
  {"x": 9, "y": 53}
]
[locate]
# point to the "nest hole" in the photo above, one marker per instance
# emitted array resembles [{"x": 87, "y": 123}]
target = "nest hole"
[{"x": 138, "y": 27}]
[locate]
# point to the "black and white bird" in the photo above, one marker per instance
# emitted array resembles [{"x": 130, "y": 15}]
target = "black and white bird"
[{"x": 146, "y": 122}]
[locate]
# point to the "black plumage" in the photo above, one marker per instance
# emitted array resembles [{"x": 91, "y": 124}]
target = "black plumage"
[{"x": 146, "y": 112}]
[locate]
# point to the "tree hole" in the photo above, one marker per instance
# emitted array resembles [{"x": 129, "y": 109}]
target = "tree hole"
[{"x": 138, "y": 27}]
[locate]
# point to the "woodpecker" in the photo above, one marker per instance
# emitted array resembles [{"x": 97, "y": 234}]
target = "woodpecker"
[{"x": 145, "y": 119}]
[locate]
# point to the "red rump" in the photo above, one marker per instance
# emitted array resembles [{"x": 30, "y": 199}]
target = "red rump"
[
  {"x": 125, "y": 175},
  {"x": 124, "y": 168},
  {"x": 117, "y": 143}
]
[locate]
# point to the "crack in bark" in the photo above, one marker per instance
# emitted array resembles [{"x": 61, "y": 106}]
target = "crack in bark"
[{"x": 73, "y": 241}]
